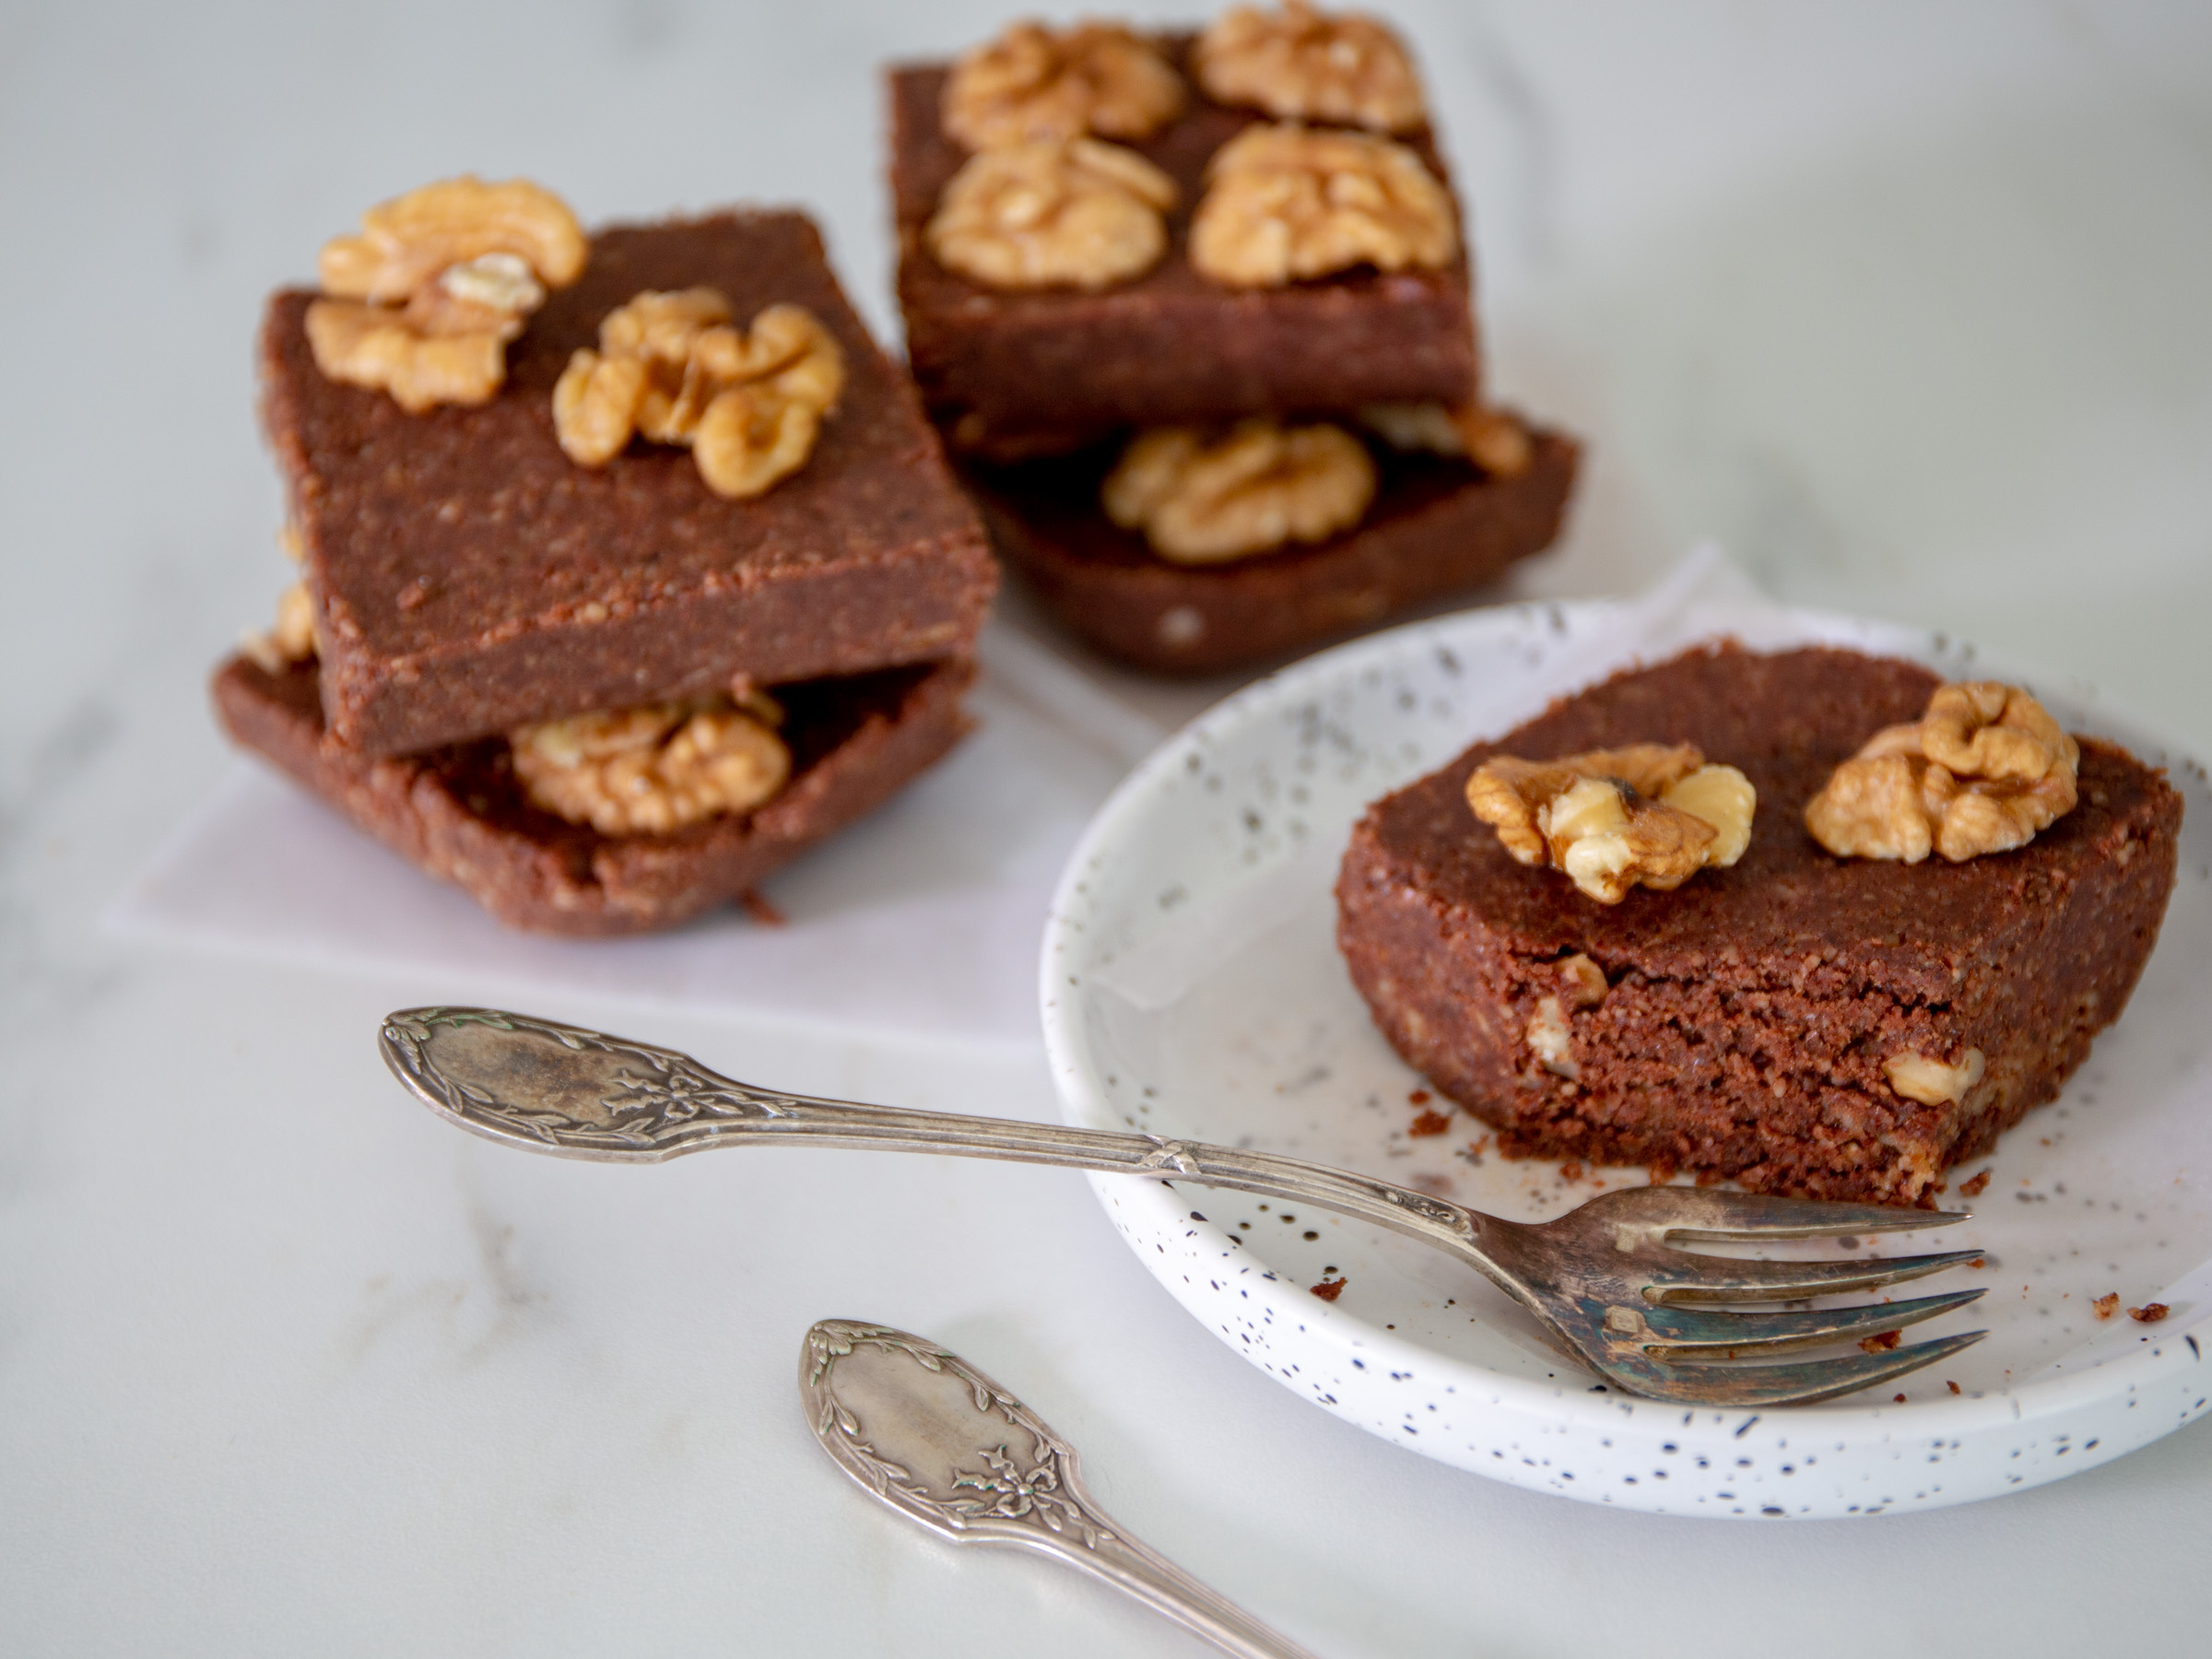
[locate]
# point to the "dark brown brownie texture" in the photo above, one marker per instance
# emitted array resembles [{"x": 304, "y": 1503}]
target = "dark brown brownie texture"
[
  {"x": 1437, "y": 527},
  {"x": 1749, "y": 1013},
  {"x": 1006, "y": 371},
  {"x": 471, "y": 577},
  {"x": 459, "y": 813}
]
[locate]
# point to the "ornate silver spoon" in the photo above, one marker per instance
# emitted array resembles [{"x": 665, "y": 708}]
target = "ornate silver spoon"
[
  {"x": 1607, "y": 1279},
  {"x": 923, "y": 1430}
]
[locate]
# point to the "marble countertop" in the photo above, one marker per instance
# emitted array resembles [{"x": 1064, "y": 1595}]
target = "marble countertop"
[{"x": 1904, "y": 305}]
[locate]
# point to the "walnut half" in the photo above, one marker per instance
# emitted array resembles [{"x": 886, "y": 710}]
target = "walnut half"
[
  {"x": 1035, "y": 82},
  {"x": 671, "y": 368},
  {"x": 1202, "y": 500},
  {"x": 422, "y": 302},
  {"x": 407, "y": 242},
  {"x": 1490, "y": 438},
  {"x": 657, "y": 769},
  {"x": 1303, "y": 64},
  {"x": 1981, "y": 771},
  {"x": 1285, "y": 202},
  {"x": 1074, "y": 212},
  {"x": 1650, "y": 814}
]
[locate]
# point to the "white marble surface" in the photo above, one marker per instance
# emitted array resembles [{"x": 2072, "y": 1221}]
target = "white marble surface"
[{"x": 1905, "y": 304}]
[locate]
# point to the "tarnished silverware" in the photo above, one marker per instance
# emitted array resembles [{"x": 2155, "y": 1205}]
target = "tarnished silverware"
[
  {"x": 1607, "y": 1279},
  {"x": 934, "y": 1438}
]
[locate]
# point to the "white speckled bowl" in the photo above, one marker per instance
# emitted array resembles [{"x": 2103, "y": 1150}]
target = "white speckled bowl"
[{"x": 1191, "y": 987}]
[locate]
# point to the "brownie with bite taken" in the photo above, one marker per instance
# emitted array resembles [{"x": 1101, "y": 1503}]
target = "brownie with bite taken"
[{"x": 1914, "y": 940}]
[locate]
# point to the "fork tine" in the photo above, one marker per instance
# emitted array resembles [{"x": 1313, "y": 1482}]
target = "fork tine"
[
  {"x": 1709, "y": 1214},
  {"x": 1687, "y": 1332},
  {"x": 1727, "y": 1278},
  {"x": 1802, "y": 1382}
]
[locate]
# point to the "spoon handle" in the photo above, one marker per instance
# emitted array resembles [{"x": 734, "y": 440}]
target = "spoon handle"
[
  {"x": 926, "y": 1433},
  {"x": 580, "y": 1093}
]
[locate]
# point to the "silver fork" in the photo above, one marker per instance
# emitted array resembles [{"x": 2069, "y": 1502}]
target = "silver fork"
[{"x": 1608, "y": 1280}]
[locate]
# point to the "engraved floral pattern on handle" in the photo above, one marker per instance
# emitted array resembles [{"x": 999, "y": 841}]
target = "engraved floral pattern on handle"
[
  {"x": 1038, "y": 1491},
  {"x": 642, "y": 1099},
  {"x": 945, "y": 1450}
]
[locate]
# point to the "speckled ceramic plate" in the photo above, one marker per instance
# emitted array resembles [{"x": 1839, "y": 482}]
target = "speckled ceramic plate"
[{"x": 1191, "y": 987}]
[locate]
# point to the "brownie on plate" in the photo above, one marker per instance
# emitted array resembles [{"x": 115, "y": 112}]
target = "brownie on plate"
[
  {"x": 1801, "y": 1022},
  {"x": 468, "y": 575}
]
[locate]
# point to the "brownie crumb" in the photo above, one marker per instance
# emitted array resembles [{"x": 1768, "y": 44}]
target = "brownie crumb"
[
  {"x": 2149, "y": 1313},
  {"x": 1428, "y": 1123},
  {"x": 1879, "y": 1345},
  {"x": 1897, "y": 1399},
  {"x": 1975, "y": 1187},
  {"x": 1571, "y": 1170},
  {"x": 2107, "y": 1305},
  {"x": 1330, "y": 1289},
  {"x": 1951, "y": 1385},
  {"x": 760, "y": 909},
  {"x": 1420, "y": 1096}
]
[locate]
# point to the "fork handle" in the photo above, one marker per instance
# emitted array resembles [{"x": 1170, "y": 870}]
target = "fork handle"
[{"x": 578, "y": 1093}]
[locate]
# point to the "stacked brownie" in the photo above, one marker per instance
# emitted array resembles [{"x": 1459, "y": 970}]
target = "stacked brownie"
[
  {"x": 1193, "y": 312},
  {"x": 605, "y": 632}
]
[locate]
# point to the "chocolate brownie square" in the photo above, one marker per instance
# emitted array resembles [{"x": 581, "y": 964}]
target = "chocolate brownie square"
[
  {"x": 459, "y": 813},
  {"x": 1008, "y": 372},
  {"x": 1742, "y": 1025},
  {"x": 471, "y": 577},
  {"x": 1437, "y": 527}
]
